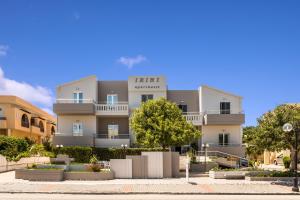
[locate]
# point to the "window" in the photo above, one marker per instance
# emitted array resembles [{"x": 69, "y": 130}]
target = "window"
[
  {"x": 25, "y": 121},
  {"x": 113, "y": 131},
  {"x": 223, "y": 139},
  {"x": 77, "y": 129},
  {"x": 1, "y": 113},
  {"x": 146, "y": 97},
  {"x": 52, "y": 130},
  {"x": 183, "y": 108},
  {"x": 41, "y": 125},
  {"x": 225, "y": 108},
  {"x": 78, "y": 97},
  {"x": 112, "y": 99}
]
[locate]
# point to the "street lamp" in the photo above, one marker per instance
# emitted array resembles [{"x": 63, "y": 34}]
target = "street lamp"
[
  {"x": 288, "y": 128},
  {"x": 124, "y": 146},
  {"x": 205, "y": 146}
]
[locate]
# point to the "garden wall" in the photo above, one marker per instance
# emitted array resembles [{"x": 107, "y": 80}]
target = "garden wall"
[{"x": 6, "y": 165}]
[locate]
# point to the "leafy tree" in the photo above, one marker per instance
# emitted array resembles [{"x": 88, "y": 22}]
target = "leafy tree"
[
  {"x": 250, "y": 137},
  {"x": 270, "y": 135},
  {"x": 159, "y": 123}
]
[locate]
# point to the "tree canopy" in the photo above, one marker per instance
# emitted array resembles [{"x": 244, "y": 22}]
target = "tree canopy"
[
  {"x": 269, "y": 134},
  {"x": 159, "y": 123}
]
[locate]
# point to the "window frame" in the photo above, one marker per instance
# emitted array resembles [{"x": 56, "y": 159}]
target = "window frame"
[
  {"x": 112, "y": 131},
  {"x": 114, "y": 99},
  {"x": 146, "y": 97},
  {"x": 77, "y": 98},
  {"x": 225, "y": 107},
  {"x": 223, "y": 137},
  {"x": 78, "y": 130}
]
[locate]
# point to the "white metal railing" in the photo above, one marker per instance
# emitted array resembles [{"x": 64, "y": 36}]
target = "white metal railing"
[
  {"x": 223, "y": 112},
  {"x": 75, "y": 101},
  {"x": 194, "y": 117},
  {"x": 112, "y": 107}
]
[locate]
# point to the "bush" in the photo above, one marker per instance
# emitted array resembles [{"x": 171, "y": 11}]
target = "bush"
[
  {"x": 112, "y": 153},
  {"x": 95, "y": 167},
  {"x": 83, "y": 154},
  {"x": 11, "y": 147},
  {"x": 80, "y": 154},
  {"x": 286, "y": 161}
]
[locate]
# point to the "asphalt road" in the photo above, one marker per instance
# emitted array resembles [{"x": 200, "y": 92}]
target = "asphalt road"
[{"x": 5, "y": 196}]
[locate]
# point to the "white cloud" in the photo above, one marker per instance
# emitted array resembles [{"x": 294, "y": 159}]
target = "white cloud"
[
  {"x": 131, "y": 61},
  {"x": 38, "y": 95},
  {"x": 76, "y": 15},
  {"x": 3, "y": 50}
]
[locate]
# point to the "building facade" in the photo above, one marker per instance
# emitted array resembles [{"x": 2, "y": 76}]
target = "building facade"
[
  {"x": 21, "y": 119},
  {"x": 96, "y": 113}
]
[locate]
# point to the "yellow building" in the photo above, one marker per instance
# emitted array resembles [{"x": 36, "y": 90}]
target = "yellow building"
[{"x": 20, "y": 118}]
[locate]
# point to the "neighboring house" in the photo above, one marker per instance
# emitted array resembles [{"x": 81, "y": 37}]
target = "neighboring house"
[
  {"x": 96, "y": 113},
  {"x": 21, "y": 119}
]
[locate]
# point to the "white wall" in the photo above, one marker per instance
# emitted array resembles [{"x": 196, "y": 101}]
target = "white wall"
[
  {"x": 209, "y": 100},
  {"x": 65, "y": 124},
  {"x": 210, "y": 134},
  {"x": 88, "y": 86},
  {"x": 136, "y": 88}
]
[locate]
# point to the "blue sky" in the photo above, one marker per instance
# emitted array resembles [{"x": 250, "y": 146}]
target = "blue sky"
[{"x": 251, "y": 48}]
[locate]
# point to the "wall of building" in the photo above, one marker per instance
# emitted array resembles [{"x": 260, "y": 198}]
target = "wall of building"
[
  {"x": 103, "y": 122},
  {"x": 65, "y": 124},
  {"x": 210, "y": 134},
  {"x": 112, "y": 87},
  {"x": 136, "y": 87},
  {"x": 210, "y": 99},
  {"x": 188, "y": 97},
  {"x": 88, "y": 86}
]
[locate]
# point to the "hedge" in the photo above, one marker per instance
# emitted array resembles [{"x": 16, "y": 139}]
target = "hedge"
[{"x": 83, "y": 154}]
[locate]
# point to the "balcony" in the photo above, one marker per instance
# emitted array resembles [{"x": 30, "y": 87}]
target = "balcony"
[
  {"x": 104, "y": 141},
  {"x": 119, "y": 109},
  {"x": 73, "y": 106},
  {"x": 194, "y": 117},
  {"x": 3, "y": 123},
  {"x": 223, "y": 117}
]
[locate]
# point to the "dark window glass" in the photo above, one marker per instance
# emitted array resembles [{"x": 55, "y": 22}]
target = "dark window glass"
[
  {"x": 146, "y": 97},
  {"x": 225, "y": 108},
  {"x": 183, "y": 108},
  {"x": 25, "y": 121},
  {"x": 41, "y": 125},
  {"x": 221, "y": 139}
]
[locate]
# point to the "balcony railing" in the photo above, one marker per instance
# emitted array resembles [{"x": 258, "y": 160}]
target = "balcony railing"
[
  {"x": 75, "y": 101},
  {"x": 225, "y": 111},
  {"x": 112, "y": 137},
  {"x": 194, "y": 117},
  {"x": 121, "y": 108}
]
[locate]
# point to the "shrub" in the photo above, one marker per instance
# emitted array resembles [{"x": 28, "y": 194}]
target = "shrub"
[
  {"x": 80, "y": 154},
  {"x": 83, "y": 154},
  {"x": 95, "y": 167},
  {"x": 286, "y": 161},
  {"x": 11, "y": 147}
]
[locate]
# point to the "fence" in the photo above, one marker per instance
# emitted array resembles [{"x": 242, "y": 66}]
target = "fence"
[{"x": 6, "y": 165}]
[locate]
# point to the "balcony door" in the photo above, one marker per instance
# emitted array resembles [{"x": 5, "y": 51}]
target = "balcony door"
[
  {"x": 77, "y": 129},
  {"x": 183, "y": 108},
  {"x": 113, "y": 131},
  {"x": 78, "y": 97},
  {"x": 112, "y": 99}
]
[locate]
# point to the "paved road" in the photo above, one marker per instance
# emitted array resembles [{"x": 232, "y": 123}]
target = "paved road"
[{"x": 143, "y": 197}]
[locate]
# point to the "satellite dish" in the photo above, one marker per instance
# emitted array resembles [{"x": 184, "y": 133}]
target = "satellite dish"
[{"x": 287, "y": 127}]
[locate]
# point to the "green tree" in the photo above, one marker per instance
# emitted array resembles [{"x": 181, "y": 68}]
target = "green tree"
[
  {"x": 250, "y": 137},
  {"x": 270, "y": 135},
  {"x": 159, "y": 123}
]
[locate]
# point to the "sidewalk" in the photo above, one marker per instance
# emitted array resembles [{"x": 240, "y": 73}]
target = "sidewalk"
[{"x": 197, "y": 185}]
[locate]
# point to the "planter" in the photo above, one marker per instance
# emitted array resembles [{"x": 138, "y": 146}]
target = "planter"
[
  {"x": 227, "y": 174},
  {"x": 89, "y": 176},
  {"x": 49, "y": 166},
  {"x": 39, "y": 174},
  {"x": 200, "y": 167},
  {"x": 256, "y": 178}
]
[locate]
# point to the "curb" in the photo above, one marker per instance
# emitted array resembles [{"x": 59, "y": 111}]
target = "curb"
[{"x": 148, "y": 193}]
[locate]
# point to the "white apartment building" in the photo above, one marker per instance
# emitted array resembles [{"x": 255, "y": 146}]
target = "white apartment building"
[{"x": 92, "y": 112}]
